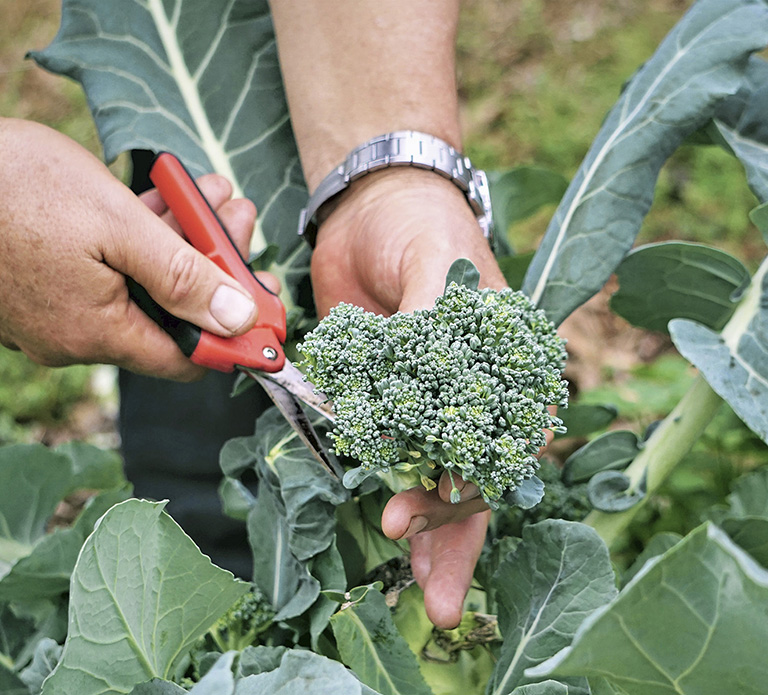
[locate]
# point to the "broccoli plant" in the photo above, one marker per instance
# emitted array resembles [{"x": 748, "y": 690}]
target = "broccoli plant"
[
  {"x": 465, "y": 386},
  {"x": 242, "y": 624}
]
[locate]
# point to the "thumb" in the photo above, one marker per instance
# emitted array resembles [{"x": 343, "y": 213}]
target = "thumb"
[{"x": 178, "y": 277}]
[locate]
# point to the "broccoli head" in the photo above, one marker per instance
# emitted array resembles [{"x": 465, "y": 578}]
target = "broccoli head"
[
  {"x": 464, "y": 386},
  {"x": 242, "y": 624}
]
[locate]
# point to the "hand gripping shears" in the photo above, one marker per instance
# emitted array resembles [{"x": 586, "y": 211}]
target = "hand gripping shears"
[{"x": 259, "y": 353}]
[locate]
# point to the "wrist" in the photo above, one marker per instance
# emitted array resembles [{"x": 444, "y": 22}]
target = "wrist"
[
  {"x": 434, "y": 206},
  {"x": 400, "y": 149}
]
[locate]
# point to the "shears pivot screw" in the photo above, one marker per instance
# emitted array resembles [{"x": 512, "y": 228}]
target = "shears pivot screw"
[{"x": 270, "y": 353}]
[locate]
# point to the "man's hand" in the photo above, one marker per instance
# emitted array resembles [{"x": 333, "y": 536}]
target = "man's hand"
[
  {"x": 387, "y": 247},
  {"x": 69, "y": 234}
]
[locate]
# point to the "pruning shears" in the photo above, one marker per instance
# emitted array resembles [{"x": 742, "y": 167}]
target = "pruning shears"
[{"x": 259, "y": 353}]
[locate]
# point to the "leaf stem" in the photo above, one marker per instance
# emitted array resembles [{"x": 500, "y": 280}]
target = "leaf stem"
[{"x": 661, "y": 454}]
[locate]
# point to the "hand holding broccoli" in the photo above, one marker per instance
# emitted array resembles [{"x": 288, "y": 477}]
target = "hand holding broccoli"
[
  {"x": 464, "y": 387},
  {"x": 387, "y": 247}
]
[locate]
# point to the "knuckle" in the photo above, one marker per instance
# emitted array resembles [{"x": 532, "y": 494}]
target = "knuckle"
[{"x": 183, "y": 274}]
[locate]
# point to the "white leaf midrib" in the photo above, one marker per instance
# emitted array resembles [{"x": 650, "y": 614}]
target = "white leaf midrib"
[{"x": 188, "y": 88}]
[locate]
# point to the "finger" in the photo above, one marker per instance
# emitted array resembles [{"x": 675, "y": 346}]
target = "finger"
[
  {"x": 154, "y": 201},
  {"x": 447, "y": 482},
  {"x": 152, "y": 351},
  {"x": 453, "y": 551},
  {"x": 238, "y": 217},
  {"x": 216, "y": 189},
  {"x": 179, "y": 278},
  {"x": 417, "y": 510},
  {"x": 269, "y": 281}
]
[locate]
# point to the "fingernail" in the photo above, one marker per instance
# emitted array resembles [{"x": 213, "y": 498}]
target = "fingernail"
[
  {"x": 231, "y": 308},
  {"x": 468, "y": 491},
  {"x": 418, "y": 523}
]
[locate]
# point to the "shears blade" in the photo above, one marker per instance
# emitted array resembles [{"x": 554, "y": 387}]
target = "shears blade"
[{"x": 288, "y": 390}]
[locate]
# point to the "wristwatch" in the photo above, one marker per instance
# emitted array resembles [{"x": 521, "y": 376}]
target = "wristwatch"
[{"x": 402, "y": 148}]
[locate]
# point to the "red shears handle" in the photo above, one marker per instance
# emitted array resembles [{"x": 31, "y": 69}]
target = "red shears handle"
[{"x": 262, "y": 347}]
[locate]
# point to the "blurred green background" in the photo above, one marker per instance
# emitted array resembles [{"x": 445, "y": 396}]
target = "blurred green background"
[{"x": 536, "y": 78}]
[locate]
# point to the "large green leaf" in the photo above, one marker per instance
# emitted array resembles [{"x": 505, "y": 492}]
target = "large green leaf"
[
  {"x": 33, "y": 480},
  {"x": 197, "y": 78},
  {"x": 688, "y": 624},
  {"x": 676, "y": 91},
  {"x": 740, "y": 126},
  {"x": 307, "y": 491},
  {"x": 735, "y": 361},
  {"x": 292, "y": 522},
  {"x": 558, "y": 575},
  {"x": 746, "y": 518},
  {"x": 610, "y": 451},
  {"x": 661, "y": 282},
  {"x": 283, "y": 579},
  {"x": 750, "y": 495},
  {"x": 520, "y": 192},
  {"x": 304, "y": 673},
  {"x": 141, "y": 593},
  {"x": 371, "y": 646},
  {"x": 46, "y": 571}
]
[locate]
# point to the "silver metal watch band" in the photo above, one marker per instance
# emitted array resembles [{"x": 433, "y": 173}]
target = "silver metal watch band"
[{"x": 402, "y": 148}]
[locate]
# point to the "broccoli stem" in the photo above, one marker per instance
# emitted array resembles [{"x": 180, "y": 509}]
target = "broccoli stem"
[{"x": 663, "y": 451}]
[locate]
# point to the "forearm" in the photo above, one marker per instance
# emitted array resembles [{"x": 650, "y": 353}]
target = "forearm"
[{"x": 354, "y": 69}]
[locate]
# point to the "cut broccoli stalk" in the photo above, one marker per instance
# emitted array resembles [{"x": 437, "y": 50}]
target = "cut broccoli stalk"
[{"x": 463, "y": 387}]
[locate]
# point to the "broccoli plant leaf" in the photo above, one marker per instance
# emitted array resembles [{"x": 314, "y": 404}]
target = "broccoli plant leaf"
[
  {"x": 46, "y": 571},
  {"x": 463, "y": 272},
  {"x": 750, "y": 496},
  {"x": 10, "y": 683},
  {"x": 309, "y": 494},
  {"x": 282, "y": 578},
  {"x": 746, "y": 518},
  {"x": 661, "y": 282},
  {"x": 47, "y": 655},
  {"x": 735, "y": 361},
  {"x": 33, "y": 480},
  {"x": 543, "y": 688},
  {"x": 141, "y": 593},
  {"x": 301, "y": 672},
  {"x": 702, "y": 60},
  {"x": 739, "y": 125},
  {"x": 201, "y": 80},
  {"x": 558, "y": 575},
  {"x": 612, "y": 491},
  {"x": 610, "y": 451},
  {"x": 518, "y": 193},
  {"x": 751, "y": 534},
  {"x": 292, "y": 522},
  {"x": 582, "y": 419},
  {"x": 371, "y": 646},
  {"x": 527, "y": 494},
  {"x": 669, "y": 629}
]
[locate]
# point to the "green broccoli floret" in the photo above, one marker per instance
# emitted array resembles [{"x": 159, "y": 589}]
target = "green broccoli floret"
[
  {"x": 240, "y": 626},
  {"x": 463, "y": 386}
]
